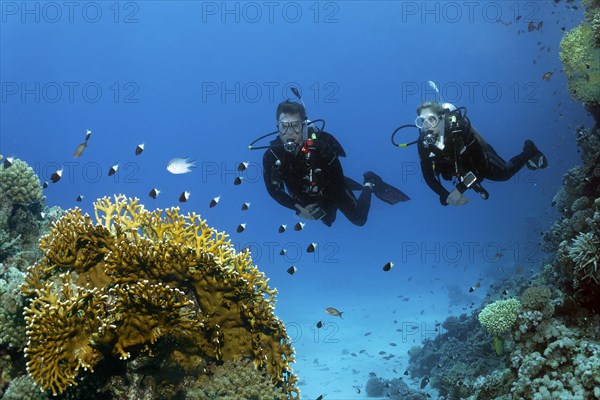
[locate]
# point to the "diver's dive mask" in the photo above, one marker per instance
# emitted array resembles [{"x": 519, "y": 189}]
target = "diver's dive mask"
[
  {"x": 433, "y": 128},
  {"x": 289, "y": 131},
  {"x": 427, "y": 120}
]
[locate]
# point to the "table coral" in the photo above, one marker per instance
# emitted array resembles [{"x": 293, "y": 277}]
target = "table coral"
[{"x": 135, "y": 283}]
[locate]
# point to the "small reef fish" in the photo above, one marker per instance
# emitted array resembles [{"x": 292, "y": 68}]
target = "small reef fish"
[
  {"x": 241, "y": 228},
  {"x": 243, "y": 166},
  {"x": 319, "y": 324},
  {"x": 45, "y": 185},
  {"x": 282, "y": 228},
  {"x": 388, "y": 266},
  {"x": 311, "y": 248},
  {"x": 55, "y": 177},
  {"x": 238, "y": 180},
  {"x": 180, "y": 165},
  {"x": 547, "y": 76},
  {"x": 299, "y": 226},
  {"x": 79, "y": 198},
  {"x": 214, "y": 201},
  {"x": 245, "y": 206},
  {"x": 139, "y": 149},
  {"x": 81, "y": 147},
  {"x": 477, "y": 286},
  {"x": 424, "y": 382},
  {"x": 8, "y": 162},
  {"x": 154, "y": 193},
  {"x": 184, "y": 197},
  {"x": 113, "y": 170},
  {"x": 333, "y": 311},
  {"x": 292, "y": 270},
  {"x": 282, "y": 252}
]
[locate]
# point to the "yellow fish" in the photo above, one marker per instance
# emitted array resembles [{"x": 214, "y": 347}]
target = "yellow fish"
[
  {"x": 333, "y": 311},
  {"x": 79, "y": 150}
]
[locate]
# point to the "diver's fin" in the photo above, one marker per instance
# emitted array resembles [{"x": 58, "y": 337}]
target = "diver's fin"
[
  {"x": 537, "y": 160},
  {"x": 352, "y": 184},
  {"x": 384, "y": 191},
  {"x": 389, "y": 194}
]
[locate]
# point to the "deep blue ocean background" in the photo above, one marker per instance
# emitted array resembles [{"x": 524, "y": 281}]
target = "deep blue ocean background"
[{"x": 203, "y": 79}]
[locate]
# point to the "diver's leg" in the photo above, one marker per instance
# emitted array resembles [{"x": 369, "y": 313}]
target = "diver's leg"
[
  {"x": 499, "y": 170},
  {"x": 356, "y": 210}
]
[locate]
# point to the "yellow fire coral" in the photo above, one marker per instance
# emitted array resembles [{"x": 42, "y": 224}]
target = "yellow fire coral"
[{"x": 148, "y": 282}]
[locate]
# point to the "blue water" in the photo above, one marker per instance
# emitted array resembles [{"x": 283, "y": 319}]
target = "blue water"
[{"x": 203, "y": 79}]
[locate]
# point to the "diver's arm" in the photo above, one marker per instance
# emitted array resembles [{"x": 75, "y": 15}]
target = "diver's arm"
[
  {"x": 274, "y": 181},
  {"x": 431, "y": 180}
]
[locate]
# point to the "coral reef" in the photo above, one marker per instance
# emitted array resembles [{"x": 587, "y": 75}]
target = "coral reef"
[
  {"x": 12, "y": 325},
  {"x": 553, "y": 360},
  {"x": 580, "y": 56},
  {"x": 235, "y": 380},
  {"x": 581, "y": 63},
  {"x": 395, "y": 389},
  {"x": 592, "y": 16},
  {"x": 22, "y": 388},
  {"x": 157, "y": 292},
  {"x": 464, "y": 343}
]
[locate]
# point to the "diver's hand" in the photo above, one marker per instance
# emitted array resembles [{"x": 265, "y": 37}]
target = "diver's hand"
[
  {"x": 455, "y": 198},
  {"x": 306, "y": 212}
]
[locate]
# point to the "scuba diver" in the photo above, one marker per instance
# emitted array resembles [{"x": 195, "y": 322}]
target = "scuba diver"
[
  {"x": 302, "y": 171},
  {"x": 451, "y": 148}
]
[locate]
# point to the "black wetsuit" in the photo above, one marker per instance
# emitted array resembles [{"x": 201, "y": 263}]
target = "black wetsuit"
[
  {"x": 463, "y": 152},
  {"x": 328, "y": 187}
]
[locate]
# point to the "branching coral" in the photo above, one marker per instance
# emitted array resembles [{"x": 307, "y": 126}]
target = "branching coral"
[
  {"x": 553, "y": 361},
  {"x": 498, "y": 317},
  {"x": 538, "y": 298},
  {"x": 63, "y": 327},
  {"x": 141, "y": 283},
  {"x": 585, "y": 253}
]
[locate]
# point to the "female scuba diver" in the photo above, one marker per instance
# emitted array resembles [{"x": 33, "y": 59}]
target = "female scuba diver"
[{"x": 450, "y": 148}]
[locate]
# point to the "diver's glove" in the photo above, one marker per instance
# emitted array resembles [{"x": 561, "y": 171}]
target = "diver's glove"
[
  {"x": 311, "y": 211},
  {"x": 455, "y": 198}
]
